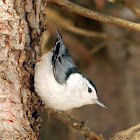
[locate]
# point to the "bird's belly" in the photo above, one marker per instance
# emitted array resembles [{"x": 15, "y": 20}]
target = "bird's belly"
[
  {"x": 53, "y": 94},
  {"x": 53, "y": 98},
  {"x": 46, "y": 86},
  {"x": 58, "y": 99}
]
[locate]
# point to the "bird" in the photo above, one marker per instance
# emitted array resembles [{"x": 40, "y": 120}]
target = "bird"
[{"x": 59, "y": 83}]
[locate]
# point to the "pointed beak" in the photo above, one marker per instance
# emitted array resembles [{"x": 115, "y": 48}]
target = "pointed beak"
[{"x": 97, "y": 101}]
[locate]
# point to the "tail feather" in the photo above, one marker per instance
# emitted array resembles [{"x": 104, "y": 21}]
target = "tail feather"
[
  {"x": 59, "y": 37},
  {"x": 59, "y": 48},
  {"x": 61, "y": 60}
]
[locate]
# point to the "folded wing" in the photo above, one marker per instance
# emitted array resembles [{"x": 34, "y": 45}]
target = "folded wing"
[{"x": 62, "y": 62}]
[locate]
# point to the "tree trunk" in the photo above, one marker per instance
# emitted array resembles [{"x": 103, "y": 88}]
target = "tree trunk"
[{"x": 21, "y": 26}]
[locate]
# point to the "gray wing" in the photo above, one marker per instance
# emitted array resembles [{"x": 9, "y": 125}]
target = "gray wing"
[{"x": 62, "y": 62}]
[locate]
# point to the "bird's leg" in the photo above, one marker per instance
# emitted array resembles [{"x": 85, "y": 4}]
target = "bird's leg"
[{"x": 49, "y": 112}]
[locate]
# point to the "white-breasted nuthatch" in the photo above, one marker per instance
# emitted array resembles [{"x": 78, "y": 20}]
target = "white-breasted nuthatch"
[{"x": 58, "y": 82}]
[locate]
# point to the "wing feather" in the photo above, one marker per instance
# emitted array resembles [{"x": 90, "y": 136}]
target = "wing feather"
[{"x": 62, "y": 62}]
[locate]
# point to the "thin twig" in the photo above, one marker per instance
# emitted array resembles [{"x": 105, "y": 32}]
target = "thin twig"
[
  {"x": 72, "y": 122},
  {"x": 65, "y": 4},
  {"x": 133, "y": 7},
  {"x": 98, "y": 47},
  {"x": 130, "y": 5}
]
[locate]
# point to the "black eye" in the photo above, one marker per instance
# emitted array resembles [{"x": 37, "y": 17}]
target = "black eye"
[{"x": 89, "y": 90}]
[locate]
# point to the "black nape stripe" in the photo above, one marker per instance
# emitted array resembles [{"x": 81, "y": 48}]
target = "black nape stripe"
[
  {"x": 92, "y": 84},
  {"x": 74, "y": 70},
  {"x": 71, "y": 71}
]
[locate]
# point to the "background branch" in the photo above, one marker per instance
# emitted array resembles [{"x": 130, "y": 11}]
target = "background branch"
[
  {"x": 133, "y": 8},
  {"x": 76, "y": 45},
  {"x": 68, "y": 25},
  {"x": 129, "y": 5},
  {"x": 98, "y": 47},
  {"x": 65, "y": 4},
  {"x": 132, "y": 133},
  {"x": 72, "y": 122}
]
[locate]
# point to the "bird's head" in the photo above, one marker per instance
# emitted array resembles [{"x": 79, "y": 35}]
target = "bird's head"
[{"x": 84, "y": 89}]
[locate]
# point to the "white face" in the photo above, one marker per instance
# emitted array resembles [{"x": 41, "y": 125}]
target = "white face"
[
  {"x": 89, "y": 90},
  {"x": 82, "y": 88},
  {"x": 83, "y": 91}
]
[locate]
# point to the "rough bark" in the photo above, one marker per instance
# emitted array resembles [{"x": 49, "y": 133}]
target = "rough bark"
[
  {"x": 21, "y": 27},
  {"x": 130, "y": 134}
]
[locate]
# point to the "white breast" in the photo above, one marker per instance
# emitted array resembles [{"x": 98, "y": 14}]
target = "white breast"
[
  {"x": 45, "y": 85},
  {"x": 53, "y": 94}
]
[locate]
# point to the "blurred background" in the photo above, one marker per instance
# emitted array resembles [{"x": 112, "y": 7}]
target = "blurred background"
[{"x": 109, "y": 56}]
